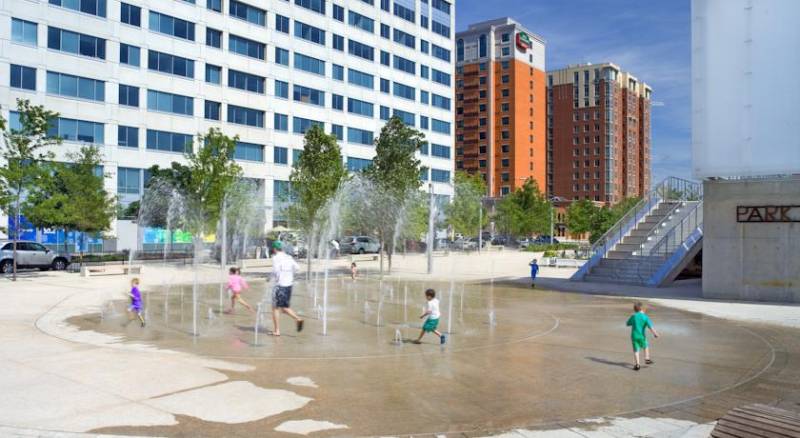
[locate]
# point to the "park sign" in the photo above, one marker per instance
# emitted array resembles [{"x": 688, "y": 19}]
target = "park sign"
[
  {"x": 768, "y": 213},
  {"x": 524, "y": 41}
]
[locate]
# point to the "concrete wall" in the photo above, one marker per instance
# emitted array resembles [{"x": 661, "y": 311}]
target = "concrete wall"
[{"x": 750, "y": 261}]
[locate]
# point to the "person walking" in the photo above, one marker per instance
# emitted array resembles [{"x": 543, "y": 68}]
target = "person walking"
[{"x": 283, "y": 269}]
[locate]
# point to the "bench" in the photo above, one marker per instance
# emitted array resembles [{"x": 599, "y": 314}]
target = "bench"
[
  {"x": 254, "y": 263},
  {"x": 564, "y": 263},
  {"x": 90, "y": 271},
  {"x": 757, "y": 420},
  {"x": 495, "y": 247}
]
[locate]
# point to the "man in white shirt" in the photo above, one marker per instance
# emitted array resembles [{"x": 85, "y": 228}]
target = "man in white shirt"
[{"x": 283, "y": 269}]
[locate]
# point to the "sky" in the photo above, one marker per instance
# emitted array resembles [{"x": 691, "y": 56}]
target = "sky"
[{"x": 650, "y": 39}]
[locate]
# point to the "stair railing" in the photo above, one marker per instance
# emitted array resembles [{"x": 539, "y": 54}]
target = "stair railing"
[
  {"x": 669, "y": 188},
  {"x": 677, "y": 243}
]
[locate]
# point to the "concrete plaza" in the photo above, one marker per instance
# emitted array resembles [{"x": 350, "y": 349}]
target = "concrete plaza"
[{"x": 519, "y": 361}]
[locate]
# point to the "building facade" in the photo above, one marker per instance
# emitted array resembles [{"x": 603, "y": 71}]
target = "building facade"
[
  {"x": 598, "y": 134},
  {"x": 500, "y": 105},
  {"x": 140, "y": 78}
]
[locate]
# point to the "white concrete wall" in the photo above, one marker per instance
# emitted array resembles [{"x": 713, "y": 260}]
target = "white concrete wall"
[{"x": 750, "y": 261}]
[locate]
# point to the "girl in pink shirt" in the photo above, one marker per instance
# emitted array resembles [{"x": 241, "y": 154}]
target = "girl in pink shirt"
[{"x": 236, "y": 285}]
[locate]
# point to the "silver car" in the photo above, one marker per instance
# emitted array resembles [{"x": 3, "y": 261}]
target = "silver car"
[
  {"x": 30, "y": 255},
  {"x": 359, "y": 245}
]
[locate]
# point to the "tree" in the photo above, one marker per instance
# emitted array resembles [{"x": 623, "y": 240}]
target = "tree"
[
  {"x": 606, "y": 217},
  {"x": 464, "y": 213},
  {"x": 315, "y": 178},
  {"x": 24, "y": 150},
  {"x": 394, "y": 174},
  {"x": 71, "y": 196},
  {"x": 580, "y": 215},
  {"x": 525, "y": 211}
]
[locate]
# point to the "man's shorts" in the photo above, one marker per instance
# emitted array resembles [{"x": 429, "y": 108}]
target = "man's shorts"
[
  {"x": 430, "y": 325},
  {"x": 281, "y": 296},
  {"x": 639, "y": 344}
]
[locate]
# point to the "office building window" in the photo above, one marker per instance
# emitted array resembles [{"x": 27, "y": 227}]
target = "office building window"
[
  {"x": 247, "y": 12},
  {"x": 384, "y": 85},
  {"x": 357, "y": 164},
  {"x": 281, "y": 122},
  {"x": 77, "y": 130},
  {"x": 309, "y": 64},
  {"x": 128, "y": 95},
  {"x": 213, "y": 74},
  {"x": 386, "y": 31},
  {"x": 317, "y": 6},
  {"x": 281, "y": 23},
  {"x": 404, "y": 13},
  {"x": 441, "y": 29},
  {"x": 245, "y": 116},
  {"x": 338, "y": 132},
  {"x": 440, "y": 77},
  {"x": 128, "y": 180},
  {"x": 337, "y": 102},
  {"x": 439, "y": 175},
  {"x": 424, "y": 97},
  {"x": 172, "y": 26},
  {"x": 130, "y": 14},
  {"x": 405, "y": 39},
  {"x": 405, "y": 65},
  {"x": 308, "y": 95},
  {"x": 214, "y": 5},
  {"x": 93, "y": 7},
  {"x": 75, "y": 86},
  {"x": 309, "y": 33},
  {"x": 359, "y": 78},
  {"x": 245, "y": 81},
  {"x": 170, "y": 64},
  {"x": 337, "y": 72},
  {"x": 424, "y": 72},
  {"x": 440, "y": 126},
  {"x": 404, "y": 91},
  {"x": 361, "y": 22},
  {"x": 129, "y": 55},
  {"x": 281, "y": 89},
  {"x": 424, "y": 122},
  {"x": 407, "y": 117},
  {"x": 171, "y": 103},
  {"x": 280, "y": 155},
  {"x": 360, "y": 136},
  {"x": 338, "y": 13},
  {"x": 385, "y": 5},
  {"x": 23, "y": 32},
  {"x": 213, "y": 38},
  {"x": 23, "y": 77},
  {"x": 248, "y": 151},
  {"x": 385, "y": 58},
  {"x": 385, "y": 113},
  {"x": 246, "y": 47},
  {"x": 440, "y": 150},
  {"x": 338, "y": 42},
  {"x": 212, "y": 110},
  {"x": 359, "y": 107},
  {"x": 127, "y": 136},
  {"x": 440, "y": 102},
  {"x": 441, "y": 53},
  {"x": 361, "y": 50},
  {"x": 76, "y": 43},
  {"x": 281, "y": 56},
  {"x": 168, "y": 141},
  {"x": 301, "y": 125}
]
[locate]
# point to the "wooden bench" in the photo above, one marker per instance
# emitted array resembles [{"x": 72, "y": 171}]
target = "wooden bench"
[
  {"x": 758, "y": 420},
  {"x": 363, "y": 257},
  {"x": 90, "y": 271},
  {"x": 495, "y": 247}
]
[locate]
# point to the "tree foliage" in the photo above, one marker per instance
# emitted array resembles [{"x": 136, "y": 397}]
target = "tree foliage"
[
  {"x": 464, "y": 213},
  {"x": 580, "y": 215},
  {"x": 525, "y": 211},
  {"x": 394, "y": 175},
  {"x": 315, "y": 178}
]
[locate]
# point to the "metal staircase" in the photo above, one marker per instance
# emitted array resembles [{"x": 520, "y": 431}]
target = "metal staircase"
[{"x": 653, "y": 241}]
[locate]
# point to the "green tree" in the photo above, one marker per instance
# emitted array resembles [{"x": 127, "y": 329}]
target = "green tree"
[
  {"x": 315, "y": 178},
  {"x": 394, "y": 173},
  {"x": 464, "y": 213},
  {"x": 525, "y": 211},
  {"x": 24, "y": 150},
  {"x": 606, "y": 217},
  {"x": 580, "y": 215}
]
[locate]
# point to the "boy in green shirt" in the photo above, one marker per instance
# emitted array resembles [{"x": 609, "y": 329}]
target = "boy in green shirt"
[{"x": 639, "y": 322}]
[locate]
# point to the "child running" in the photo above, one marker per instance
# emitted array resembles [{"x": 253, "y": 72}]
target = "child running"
[
  {"x": 353, "y": 271},
  {"x": 136, "y": 302},
  {"x": 639, "y": 322},
  {"x": 534, "y": 271},
  {"x": 431, "y": 316},
  {"x": 236, "y": 285}
]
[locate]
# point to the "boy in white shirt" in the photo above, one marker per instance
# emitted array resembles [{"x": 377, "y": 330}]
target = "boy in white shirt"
[{"x": 431, "y": 316}]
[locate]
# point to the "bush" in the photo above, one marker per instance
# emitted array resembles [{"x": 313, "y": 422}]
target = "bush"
[
  {"x": 554, "y": 247},
  {"x": 550, "y": 253}
]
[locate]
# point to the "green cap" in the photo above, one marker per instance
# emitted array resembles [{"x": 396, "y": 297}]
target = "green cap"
[{"x": 277, "y": 245}]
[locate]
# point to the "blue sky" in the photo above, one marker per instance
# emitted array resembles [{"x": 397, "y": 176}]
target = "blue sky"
[{"x": 649, "y": 39}]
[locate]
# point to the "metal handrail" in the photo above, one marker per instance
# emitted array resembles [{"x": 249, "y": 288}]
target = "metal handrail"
[{"x": 670, "y": 242}]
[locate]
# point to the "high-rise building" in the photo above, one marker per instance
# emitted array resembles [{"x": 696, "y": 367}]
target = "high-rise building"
[
  {"x": 139, "y": 78},
  {"x": 500, "y": 105},
  {"x": 598, "y": 133}
]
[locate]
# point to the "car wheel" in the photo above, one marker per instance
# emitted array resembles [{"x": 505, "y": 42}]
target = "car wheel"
[
  {"x": 59, "y": 264},
  {"x": 361, "y": 251},
  {"x": 7, "y": 267}
]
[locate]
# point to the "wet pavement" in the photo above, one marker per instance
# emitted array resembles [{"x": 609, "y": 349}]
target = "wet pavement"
[{"x": 515, "y": 358}]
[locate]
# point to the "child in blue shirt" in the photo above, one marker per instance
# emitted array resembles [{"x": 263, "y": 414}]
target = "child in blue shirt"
[{"x": 534, "y": 271}]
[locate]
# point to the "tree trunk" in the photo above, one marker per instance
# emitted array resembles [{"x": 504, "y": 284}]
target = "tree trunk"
[
  {"x": 389, "y": 255},
  {"x": 381, "y": 255},
  {"x": 16, "y": 235}
]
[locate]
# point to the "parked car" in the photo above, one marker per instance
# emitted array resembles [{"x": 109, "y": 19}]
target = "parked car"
[
  {"x": 523, "y": 242},
  {"x": 359, "y": 245},
  {"x": 30, "y": 255},
  {"x": 476, "y": 241},
  {"x": 465, "y": 244},
  {"x": 544, "y": 240},
  {"x": 500, "y": 240}
]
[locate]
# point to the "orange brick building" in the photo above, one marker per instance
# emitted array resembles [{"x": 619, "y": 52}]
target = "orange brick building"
[
  {"x": 598, "y": 135},
  {"x": 501, "y": 105}
]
